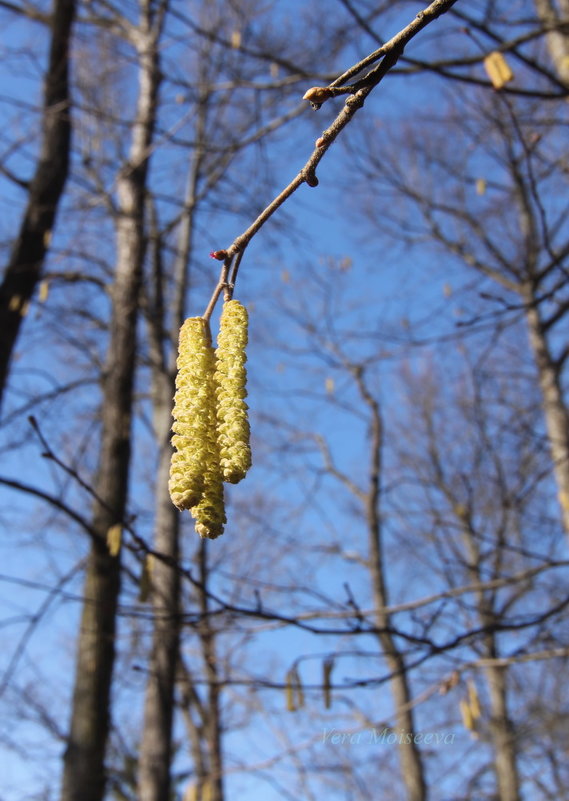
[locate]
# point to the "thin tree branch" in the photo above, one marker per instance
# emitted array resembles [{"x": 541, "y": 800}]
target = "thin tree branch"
[{"x": 389, "y": 53}]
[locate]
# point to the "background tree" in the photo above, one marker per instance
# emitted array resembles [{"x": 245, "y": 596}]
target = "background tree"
[
  {"x": 84, "y": 772},
  {"x": 44, "y": 190},
  {"x": 464, "y": 489},
  {"x": 525, "y": 254}
]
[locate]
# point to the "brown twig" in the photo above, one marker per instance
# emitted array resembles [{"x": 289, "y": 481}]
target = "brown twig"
[{"x": 389, "y": 53}]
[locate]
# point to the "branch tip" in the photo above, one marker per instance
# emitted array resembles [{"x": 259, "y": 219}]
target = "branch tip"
[{"x": 317, "y": 95}]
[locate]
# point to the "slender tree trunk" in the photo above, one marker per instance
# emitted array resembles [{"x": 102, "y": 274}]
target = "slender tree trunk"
[
  {"x": 84, "y": 769},
  {"x": 155, "y": 755},
  {"x": 213, "y": 716},
  {"x": 26, "y": 260},
  {"x": 554, "y": 407},
  {"x": 557, "y": 40},
  {"x": 412, "y": 769},
  {"x": 410, "y": 757},
  {"x": 202, "y": 713},
  {"x": 502, "y": 732},
  {"x": 502, "y": 736}
]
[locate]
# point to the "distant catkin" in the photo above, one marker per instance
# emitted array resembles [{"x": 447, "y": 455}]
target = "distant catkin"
[
  {"x": 209, "y": 513},
  {"x": 230, "y": 378},
  {"x": 192, "y": 401}
]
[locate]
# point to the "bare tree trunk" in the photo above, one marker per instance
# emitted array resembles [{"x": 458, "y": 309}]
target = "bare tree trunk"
[
  {"x": 155, "y": 755},
  {"x": 195, "y": 716},
  {"x": 84, "y": 769},
  {"x": 213, "y": 717},
  {"x": 203, "y": 715},
  {"x": 156, "y": 745},
  {"x": 501, "y": 729},
  {"x": 554, "y": 406},
  {"x": 412, "y": 769},
  {"x": 557, "y": 39},
  {"x": 26, "y": 260},
  {"x": 502, "y": 736}
]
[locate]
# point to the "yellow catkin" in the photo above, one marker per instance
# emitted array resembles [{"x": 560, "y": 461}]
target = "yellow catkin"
[
  {"x": 294, "y": 692},
  {"x": 230, "y": 378},
  {"x": 466, "y": 714},
  {"x": 192, "y": 403},
  {"x": 473, "y": 700},
  {"x": 289, "y": 693},
  {"x": 497, "y": 69},
  {"x": 209, "y": 513}
]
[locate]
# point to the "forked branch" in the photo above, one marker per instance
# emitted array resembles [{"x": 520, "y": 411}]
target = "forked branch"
[{"x": 387, "y": 56}]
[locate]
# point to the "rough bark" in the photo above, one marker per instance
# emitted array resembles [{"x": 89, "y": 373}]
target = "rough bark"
[
  {"x": 26, "y": 260},
  {"x": 84, "y": 769}
]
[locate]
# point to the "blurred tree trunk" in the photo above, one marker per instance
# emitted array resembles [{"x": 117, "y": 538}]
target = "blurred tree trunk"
[
  {"x": 84, "y": 768},
  {"x": 549, "y": 369},
  {"x": 412, "y": 770},
  {"x": 156, "y": 745},
  {"x": 212, "y": 728},
  {"x": 202, "y": 712},
  {"x": 501, "y": 728},
  {"x": 26, "y": 260},
  {"x": 557, "y": 20},
  {"x": 155, "y": 754},
  {"x": 481, "y": 493},
  {"x": 555, "y": 408},
  {"x": 503, "y": 739}
]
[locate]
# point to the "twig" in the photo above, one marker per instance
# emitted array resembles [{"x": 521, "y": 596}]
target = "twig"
[{"x": 358, "y": 92}]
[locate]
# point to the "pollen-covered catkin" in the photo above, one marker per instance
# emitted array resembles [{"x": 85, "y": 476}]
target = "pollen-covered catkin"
[
  {"x": 192, "y": 402},
  {"x": 209, "y": 513},
  {"x": 230, "y": 378}
]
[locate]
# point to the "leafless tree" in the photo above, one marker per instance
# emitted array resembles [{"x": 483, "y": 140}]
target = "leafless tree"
[
  {"x": 84, "y": 772},
  {"x": 507, "y": 230},
  {"x": 24, "y": 268}
]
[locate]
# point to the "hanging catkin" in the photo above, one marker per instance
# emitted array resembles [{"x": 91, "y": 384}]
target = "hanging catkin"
[
  {"x": 192, "y": 401},
  {"x": 230, "y": 378},
  {"x": 211, "y": 429},
  {"x": 209, "y": 513}
]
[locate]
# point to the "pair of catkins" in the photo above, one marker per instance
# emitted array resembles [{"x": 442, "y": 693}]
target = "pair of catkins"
[{"x": 211, "y": 428}]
